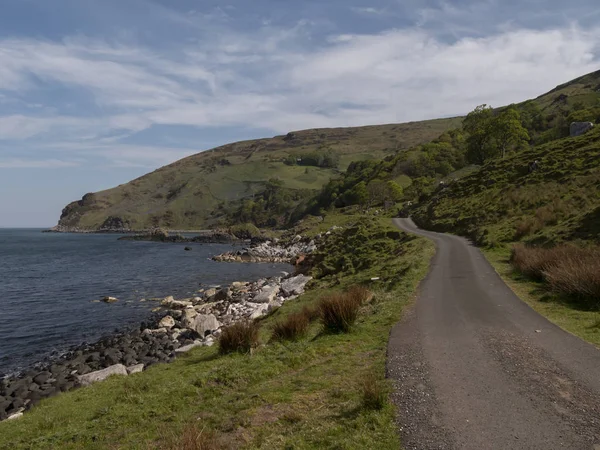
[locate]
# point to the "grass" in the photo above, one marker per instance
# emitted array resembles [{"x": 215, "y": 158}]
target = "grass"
[
  {"x": 303, "y": 395},
  {"x": 241, "y": 337},
  {"x": 374, "y": 392},
  {"x": 572, "y": 317}
]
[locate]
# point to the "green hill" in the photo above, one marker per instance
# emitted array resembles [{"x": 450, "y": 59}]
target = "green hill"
[
  {"x": 198, "y": 191},
  {"x": 264, "y": 180}
]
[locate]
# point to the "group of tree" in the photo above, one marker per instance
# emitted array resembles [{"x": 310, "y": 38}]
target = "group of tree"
[
  {"x": 274, "y": 205},
  {"x": 325, "y": 159},
  {"x": 492, "y": 135}
]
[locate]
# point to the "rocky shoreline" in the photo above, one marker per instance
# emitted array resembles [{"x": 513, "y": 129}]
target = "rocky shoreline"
[
  {"x": 290, "y": 251},
  {"x": 179, "y": 326}
]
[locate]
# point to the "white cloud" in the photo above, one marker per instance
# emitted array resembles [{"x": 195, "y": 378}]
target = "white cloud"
[
  {"x": 277, "y": 79},
  {"x": 36, "y": 164},
  {"x": 368, "y": 10}
]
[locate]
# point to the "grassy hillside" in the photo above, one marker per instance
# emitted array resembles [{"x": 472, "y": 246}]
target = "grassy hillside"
[
  {"x": 197, "y": 191},
  {"x": 504, "y": 202}
]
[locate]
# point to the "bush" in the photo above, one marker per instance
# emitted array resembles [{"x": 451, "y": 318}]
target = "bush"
[
  {"x": 338, "y": 312},
  {"x": 566, "y": 268},
  {"x": 311, "y": 314},
  {"x": 374, "y": 393},
  {"x": 240, "y": 337},
  {"x": 292, "y": 328},
  {"x": 359, "y": 294}
]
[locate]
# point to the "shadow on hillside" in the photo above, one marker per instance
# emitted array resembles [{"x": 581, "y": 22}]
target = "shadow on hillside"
[{"x": 590, "y": 227}]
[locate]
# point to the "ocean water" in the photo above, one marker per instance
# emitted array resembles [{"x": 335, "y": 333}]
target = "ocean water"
[{"x": 48, "y": 284}]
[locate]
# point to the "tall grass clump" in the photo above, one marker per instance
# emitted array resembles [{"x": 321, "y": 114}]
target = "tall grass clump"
[
  {"x": 373, "y": 392},
  {"x": 338, "y": 312},
  {"x": 359, "y": 294},
  {"x": 240, "y": 337},
  {"x": 292, "y": 328},
  {"x": 567, "y": 269}
]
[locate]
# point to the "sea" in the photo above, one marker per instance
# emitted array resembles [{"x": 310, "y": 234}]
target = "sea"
[{"x": 50, "y": 284}]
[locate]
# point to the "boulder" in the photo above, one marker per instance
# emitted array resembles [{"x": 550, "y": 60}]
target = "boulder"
[
  {"x": 210, "y": 292},
  {"x": 167, "y": 322},
  {"x": 100, "y": 375},
  {"x": 223, "y": 294},
  {"x": 170, "y": 302},
  {"x": 187, "y": 318},
  {"x": 579, "y": 128},
  {"x": 259, "y": 310},
  {"x": 187, "y": 348},
  {"x": 237, "y": 285},
  {"x": 205, "y": 323},
  {"x": 295, "y": 285},
  {"x": 266, "y": 294},
  {"x": 135, "y": 369},
  {"x": 110, "y": 299},
  {"x": 15, "y": 416}
]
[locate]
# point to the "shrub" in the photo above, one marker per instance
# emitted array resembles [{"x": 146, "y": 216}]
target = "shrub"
[
  {"x": 359, "y": 294},
  {"x": 338, "y": 312},
  {"x": 292, "y": 328},
  {"x": 566, "y": 268},
  {"x": 374, "y": 393},
  {"x": 311, "y": 314},
  {"x": 240, "y": 337}
]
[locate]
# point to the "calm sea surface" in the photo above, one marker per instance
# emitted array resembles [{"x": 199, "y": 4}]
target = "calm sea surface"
[{"x": 48, "y": 283}]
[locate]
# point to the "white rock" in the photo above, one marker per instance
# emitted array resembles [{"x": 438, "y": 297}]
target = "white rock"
[
  {"x": 187, "y": 348},
  {"x": 266, "y": 294},
  {"x": 187, "y": 319},
  {"x": 16, "y": 415},
  {"x": 295, "y": 286},
  {"x": 205, "y": 323},
  {"x": 210, "y": 292},
  {"x": 110, "y": 299},
  {"x": 157, "y": 331},
  {"x": 170, "y": 302},
  {"x": 135, "y": 369},
  {"x": 260, "y": 310},
  {"x": 167, "y": 322},
  {"x": 100, "y": 375}
]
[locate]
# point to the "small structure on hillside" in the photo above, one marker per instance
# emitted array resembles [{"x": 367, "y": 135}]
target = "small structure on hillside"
[{"x": 579, "y": 128}]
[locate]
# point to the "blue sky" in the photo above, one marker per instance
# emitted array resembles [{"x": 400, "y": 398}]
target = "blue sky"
[{"x": 94, "y": 93}]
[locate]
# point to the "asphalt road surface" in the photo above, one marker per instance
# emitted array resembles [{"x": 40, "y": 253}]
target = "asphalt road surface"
[{"x": 474, "y": 367}]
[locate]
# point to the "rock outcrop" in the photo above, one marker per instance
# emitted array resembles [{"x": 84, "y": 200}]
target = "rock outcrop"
[{"x": 579, "y": 128}]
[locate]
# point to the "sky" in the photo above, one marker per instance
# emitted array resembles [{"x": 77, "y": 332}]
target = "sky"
[{"x": 94, "y": 93}]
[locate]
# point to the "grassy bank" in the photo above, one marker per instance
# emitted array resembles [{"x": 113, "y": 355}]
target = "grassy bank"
[
  {"x": 312, "y": 393},
  {"x": 572, "y": 316}
]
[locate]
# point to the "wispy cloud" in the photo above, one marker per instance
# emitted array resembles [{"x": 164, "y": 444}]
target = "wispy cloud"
[
  {"x": 36, "y": 164},
  {"x": 271, "y": 78},
  {"x": 367, "y": 10}
]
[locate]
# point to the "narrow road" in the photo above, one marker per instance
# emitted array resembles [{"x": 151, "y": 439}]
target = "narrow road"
[{"x": 474, "y": 367}]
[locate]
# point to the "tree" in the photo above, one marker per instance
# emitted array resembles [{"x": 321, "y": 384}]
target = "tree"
[
  {"x": 508, "y": 131},
  {"x": 478, "y": 124},
  {"x": 395, "y": 191}
]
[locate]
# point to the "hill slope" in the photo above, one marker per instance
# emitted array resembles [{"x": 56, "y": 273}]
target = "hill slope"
[
  {"x": 504, "y": 201},
  {"x": 204, "y": 189},
  {"x": 194, "y": 192}
]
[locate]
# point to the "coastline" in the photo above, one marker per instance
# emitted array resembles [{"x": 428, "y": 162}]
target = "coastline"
[{"x": 171, "y": 329}]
